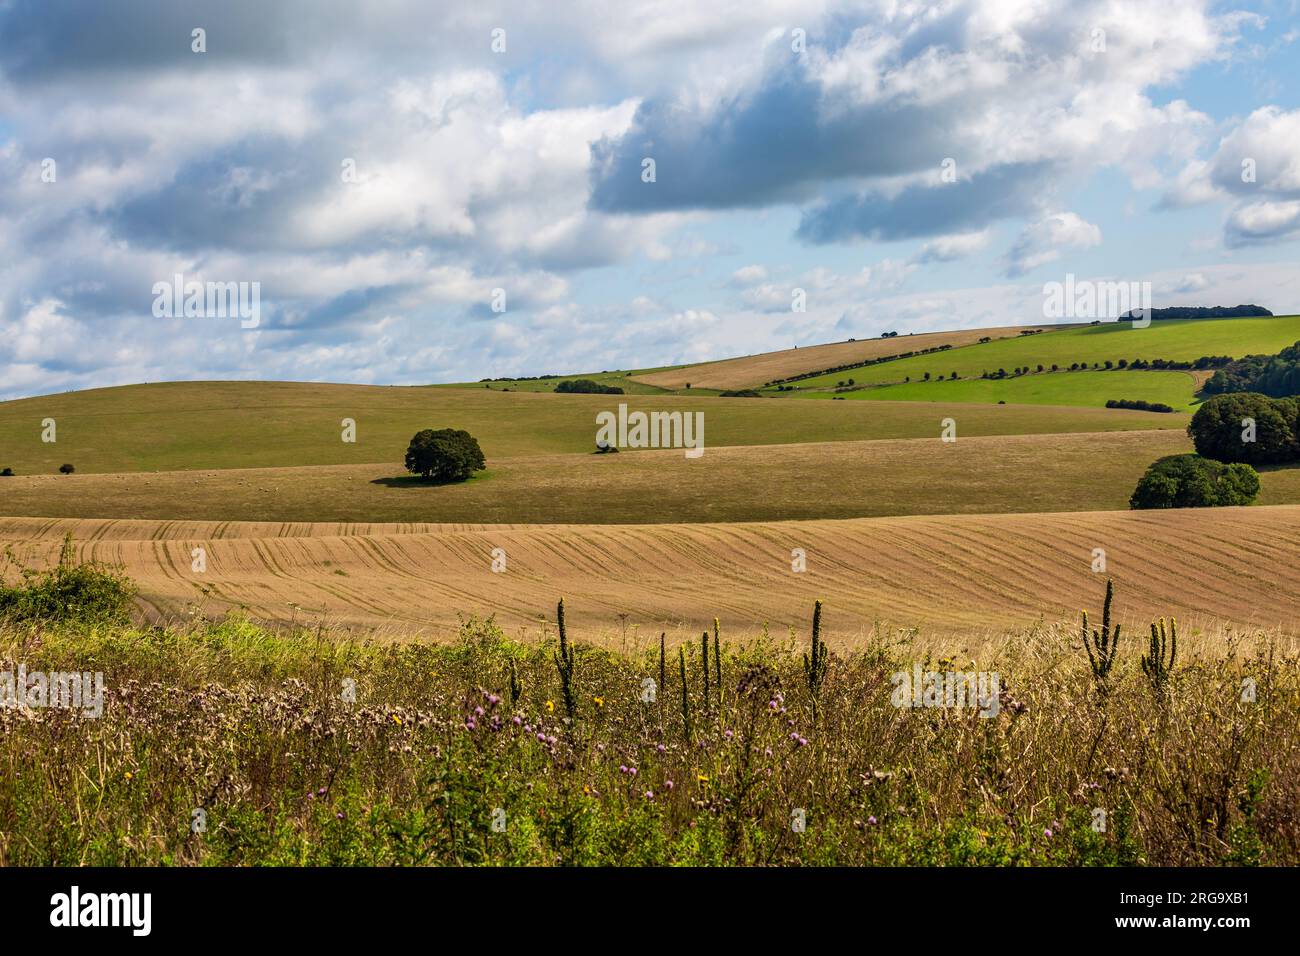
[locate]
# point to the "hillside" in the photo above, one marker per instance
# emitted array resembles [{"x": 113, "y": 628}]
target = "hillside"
[
  {"x": 1178, "y": 340},
  {"x": 756, "y": 370},
  {"x": 204, "y": 425},
  {"x": 1081, "y": 471}
]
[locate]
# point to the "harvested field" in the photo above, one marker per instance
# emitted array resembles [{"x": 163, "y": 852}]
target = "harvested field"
[{"x": 966, "y": 575}]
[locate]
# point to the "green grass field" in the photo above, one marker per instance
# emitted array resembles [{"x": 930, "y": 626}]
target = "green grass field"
[
  {"x": 203, "y": 425},
  {"x": 1183, "y": 340},
  {"x": 1176, "y": 389}
]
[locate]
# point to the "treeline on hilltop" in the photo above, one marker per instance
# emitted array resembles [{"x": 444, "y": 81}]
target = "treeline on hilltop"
[
  {"x": 1274, "y": 375},
  {"x": 1202, "y": 312}
]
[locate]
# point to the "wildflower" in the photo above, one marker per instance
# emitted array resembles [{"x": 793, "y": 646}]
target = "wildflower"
[
  {"x": 321, "y": 791},
  {"x": 541, "y": 737},
  {"x": 871, "y": 820},
  {"x": 517, "y": 720},
  {"x": 493, "y": 699},
  {"x": 661, "y": 748},
  {"x": 728, "y": 734},
  {"x": 668, "y": 785},
  {"x": 702, "y": 778},
  {"x": 339, "y": 815},
  {"x": 600, "y": 701},
  {"x": 550, "y": 706},
  {"x": 129, "y": 775},
  {"x": 649, "y": 794},
  {"x": 479, "y": 711},
  {"x": 1047, "y": 833},
  {"x": 397, "y": 720}
]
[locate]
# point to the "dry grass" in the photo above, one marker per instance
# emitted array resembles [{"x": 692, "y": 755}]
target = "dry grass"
[
  {"x": 843, "y": 479},
  {"x": 959, "y": 575}
]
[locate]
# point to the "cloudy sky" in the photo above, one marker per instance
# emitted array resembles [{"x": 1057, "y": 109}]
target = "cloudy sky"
[{"x": 381, "y": 168}]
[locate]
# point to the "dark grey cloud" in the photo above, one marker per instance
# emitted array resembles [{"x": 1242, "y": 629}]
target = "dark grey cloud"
[
  {"x": 930, "y": 210},
  {"x": 780, "y": 142},
  {"x": 46, "y": 40}
]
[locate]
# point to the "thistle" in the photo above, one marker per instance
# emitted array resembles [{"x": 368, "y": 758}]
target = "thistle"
[
  {"x": 1153, "y": 663},
  {"x": 717, "y": 659},
  {"x": 516, "y": 688},
  {"x": 686, "y": 701},
  {"x": 1101, "y": 645},
  {"x": 814, "y": 666},
  {"x": 663, "y": 671},
  {"x": 704, "y": 650},
  {"x": 564, "y": 662}
]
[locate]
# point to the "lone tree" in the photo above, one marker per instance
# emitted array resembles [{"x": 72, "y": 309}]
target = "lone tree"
[
  {"x": 66, "y": 469},
  {"x": 444, "y": 454}
]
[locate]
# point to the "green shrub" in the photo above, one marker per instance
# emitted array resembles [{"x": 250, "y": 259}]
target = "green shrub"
[
  {"x": 445, "y": 454},
  {"x": 1139, "y": 404},
  {"x": 1218, "y": 430},
  {"x": 71, "y": 591},
  {"x": 585, "y": 386},
  {"x": 1190, "y": 481}
]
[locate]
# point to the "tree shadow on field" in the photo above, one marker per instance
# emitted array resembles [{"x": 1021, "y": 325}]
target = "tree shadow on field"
[{"x": 415, "y": 481}]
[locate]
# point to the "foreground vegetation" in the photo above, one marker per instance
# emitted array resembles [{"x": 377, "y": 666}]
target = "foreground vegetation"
[{"x": 223, "y": 743}]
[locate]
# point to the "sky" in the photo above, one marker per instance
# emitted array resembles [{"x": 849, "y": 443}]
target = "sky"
[{"x": 446, "y": 192}]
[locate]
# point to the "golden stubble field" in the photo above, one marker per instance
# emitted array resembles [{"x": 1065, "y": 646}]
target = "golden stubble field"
[{"x": 956, "y": 575}]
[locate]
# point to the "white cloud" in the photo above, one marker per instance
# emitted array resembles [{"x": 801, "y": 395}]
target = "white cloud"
[{"x": 1042, "y": 241}]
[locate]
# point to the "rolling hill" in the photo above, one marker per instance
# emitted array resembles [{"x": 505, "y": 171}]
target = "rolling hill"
[{"x": 206, "y": 425}]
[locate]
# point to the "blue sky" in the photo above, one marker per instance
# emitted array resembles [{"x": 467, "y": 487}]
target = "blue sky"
[{"x": 1104, "y": 139}]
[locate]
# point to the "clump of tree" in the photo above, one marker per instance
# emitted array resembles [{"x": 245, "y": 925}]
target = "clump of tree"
[
  {"x": 66, "y": 469},
  {"x": 746, "y": 392},
  {"x": 1247, "y": 427},
  {"x": 1191, "y": 481},
  {"x": 6, "y": 473},
  {"x": 444, "y": 454},
  {"x": 1139, "y": 404},
  {"x": 585, "y": 386},
  {"x": 1275, "y": 375},
  {"x": 1201, "y": 312}
]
